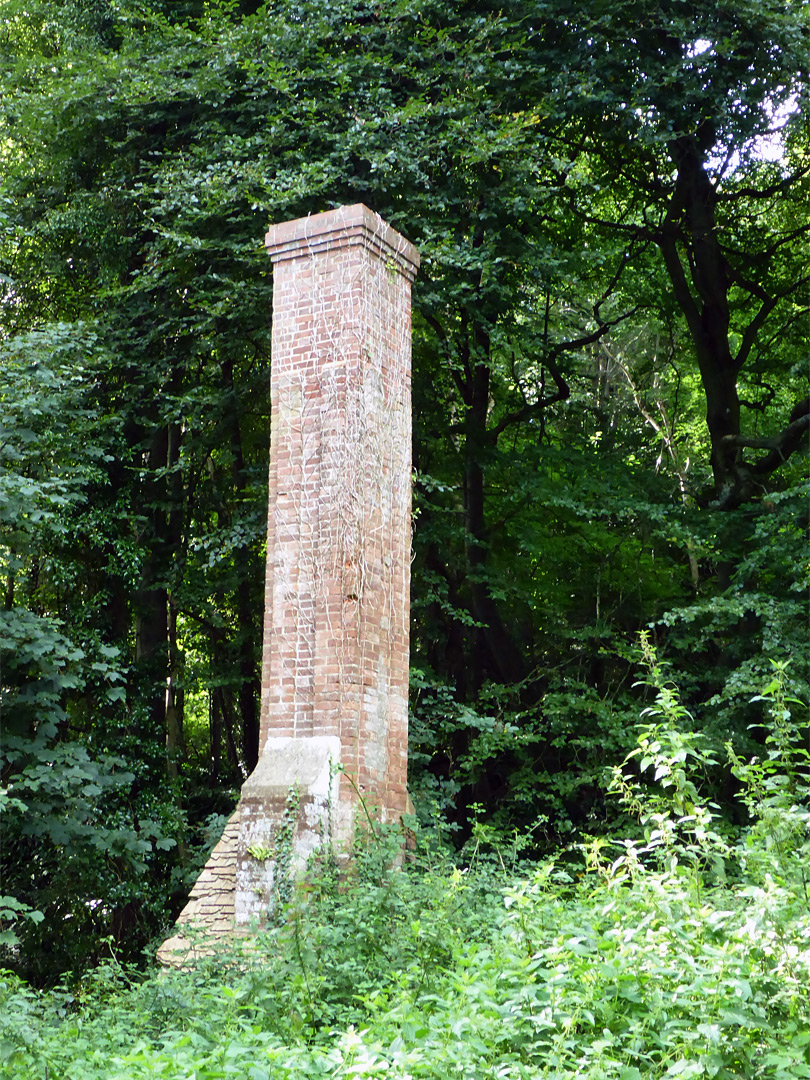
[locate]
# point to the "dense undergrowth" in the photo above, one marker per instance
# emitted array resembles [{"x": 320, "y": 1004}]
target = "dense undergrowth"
[{"x": 681, "y": 950}]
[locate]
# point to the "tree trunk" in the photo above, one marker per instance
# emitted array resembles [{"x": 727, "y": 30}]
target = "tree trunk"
[
  {"x": 175, "y": 700},
  {"x": 691, "y": 220},
  {"x": 162, "y": 492},
  {"x": 249, "y": 623},
  {"x": 500, "y": 644},
  {"x": 151, "y": 598}
]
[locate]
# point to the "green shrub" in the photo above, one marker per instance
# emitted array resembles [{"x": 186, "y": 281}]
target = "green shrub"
[{"x": 677, "y": 951}]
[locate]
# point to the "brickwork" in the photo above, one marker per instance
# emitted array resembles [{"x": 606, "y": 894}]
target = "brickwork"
[
  {"x": 210, "y": 906},
  {"x": 338, "y": 571},
  {"x": 335, "y": 649}
]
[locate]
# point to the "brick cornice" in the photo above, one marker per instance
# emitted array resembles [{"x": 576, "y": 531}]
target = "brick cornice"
[{"x": 344, "y": 227}]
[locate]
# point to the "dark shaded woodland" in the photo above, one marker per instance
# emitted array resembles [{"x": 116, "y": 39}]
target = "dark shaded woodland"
[{"x": 610, "y": 404}]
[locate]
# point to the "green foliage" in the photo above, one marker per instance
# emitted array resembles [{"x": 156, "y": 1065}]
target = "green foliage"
[
  {"x": 79, "y": 843},
  {"x": 544, "y": 160},
  {"x": 13, "y": 911},
  {"x": 636, "y": 958},
  {"x": 77, "y": 840}
]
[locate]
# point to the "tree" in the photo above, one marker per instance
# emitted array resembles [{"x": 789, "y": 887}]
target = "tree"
[{"x": 676, "y": 121}]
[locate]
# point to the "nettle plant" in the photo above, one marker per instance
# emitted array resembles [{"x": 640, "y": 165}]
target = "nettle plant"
[
  {"x": 660, "y": 781},
  {"x": 776, "y": 787},
  {"x": 678, "y": 825}
]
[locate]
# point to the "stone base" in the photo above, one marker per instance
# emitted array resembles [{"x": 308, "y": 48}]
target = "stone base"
[{"x": 290, "y": 808}]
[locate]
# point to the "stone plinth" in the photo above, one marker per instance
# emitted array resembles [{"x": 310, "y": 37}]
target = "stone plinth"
[{"x": 334, "y": 721}]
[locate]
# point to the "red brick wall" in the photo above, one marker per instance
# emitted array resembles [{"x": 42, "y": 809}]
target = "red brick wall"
[{"x": 335, "y": 658}]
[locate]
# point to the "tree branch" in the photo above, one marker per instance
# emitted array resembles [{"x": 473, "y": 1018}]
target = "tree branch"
[
  {"x": 764, "y": 193},
  {"x": 756, "y": 324},
  {"x": 768, "y": 252},
  {"x": 461, "y": 385},
  {"x": 533, "y": 408},
  {"x": 680, "y": 285},
  {"x": 781, "y": 447},
  {"x": 563, "y": 391}
]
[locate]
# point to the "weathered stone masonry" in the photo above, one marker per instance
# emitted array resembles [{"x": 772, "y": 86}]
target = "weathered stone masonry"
[{"x": 335, "y": 650}]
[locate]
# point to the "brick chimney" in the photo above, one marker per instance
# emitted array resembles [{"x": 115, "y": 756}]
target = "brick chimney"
[{"x": 334, "y": 721}]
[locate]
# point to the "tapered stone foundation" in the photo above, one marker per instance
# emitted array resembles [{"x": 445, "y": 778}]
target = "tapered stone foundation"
[{"x": 334, "y": 724}]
